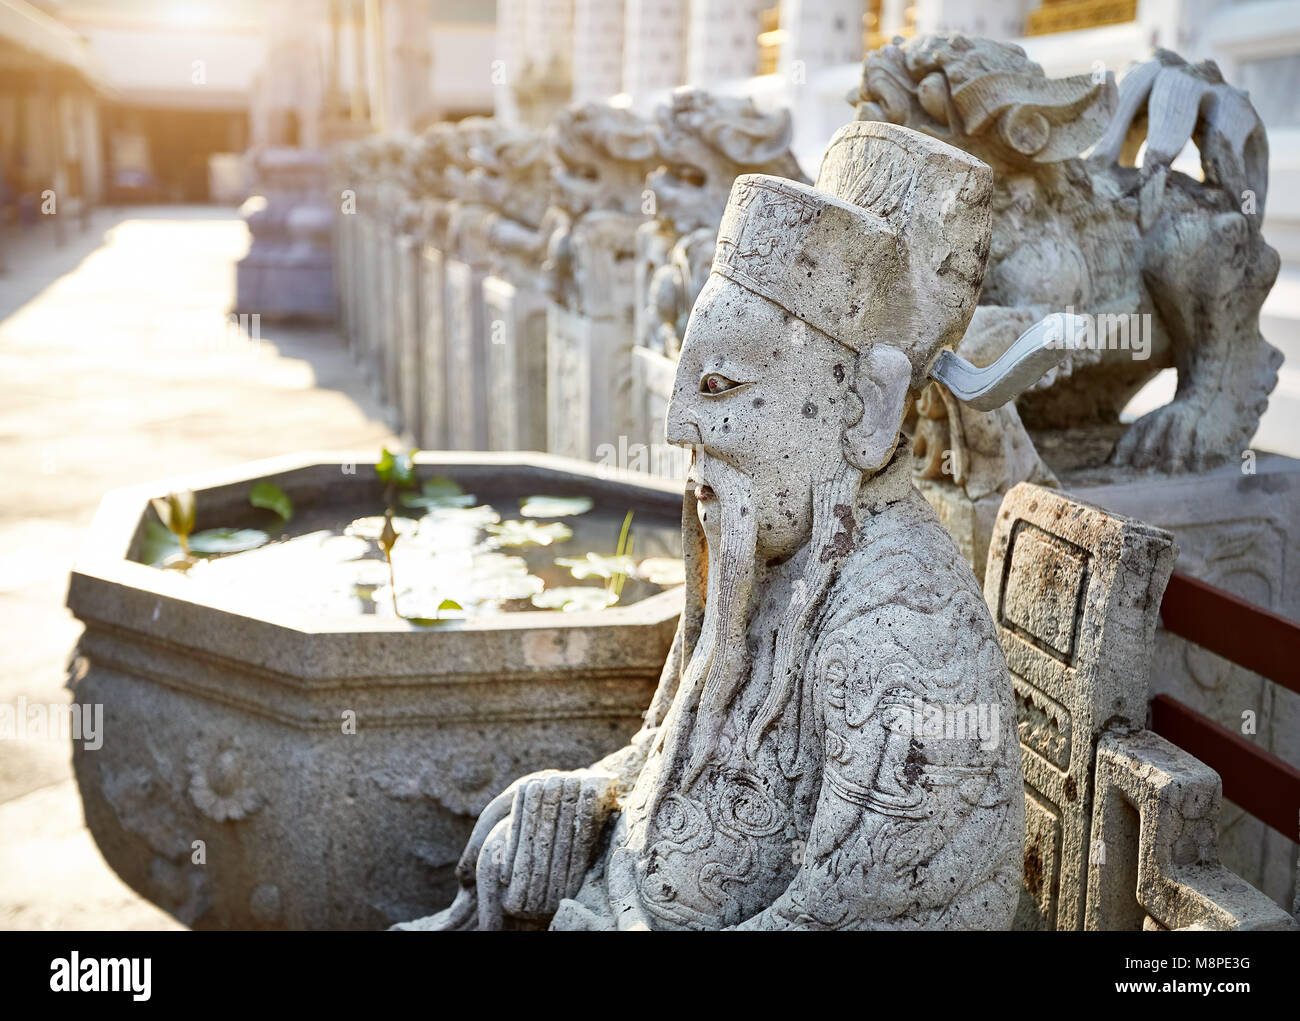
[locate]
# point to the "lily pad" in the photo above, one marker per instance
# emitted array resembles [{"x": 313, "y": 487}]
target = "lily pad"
[
  {"x": 227, "y": 540},
  {"x": 478, "y": 580},
  {"x": 664, "y": 571},
  {"x": 272, "y": 497},
  {"x": 530, "y": 533},
  {"x": 574, "y": 598},
  {"x": 596, "y": 565},
  {"x": 554, "y": 506},
  {"x": 159, "y": 545},
  {"x": 439, "y": 491}
]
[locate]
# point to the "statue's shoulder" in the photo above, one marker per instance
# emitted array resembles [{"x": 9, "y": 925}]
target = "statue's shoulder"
[
  {"x": 906, "y": 596},
  {"x": 901, "y": 551}
]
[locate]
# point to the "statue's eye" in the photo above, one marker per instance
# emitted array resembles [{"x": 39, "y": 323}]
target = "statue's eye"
[{"x": 716, "y": 383}]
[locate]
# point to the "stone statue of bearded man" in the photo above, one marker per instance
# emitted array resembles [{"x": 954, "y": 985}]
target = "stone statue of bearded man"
[{"x": 833, "y": 742}]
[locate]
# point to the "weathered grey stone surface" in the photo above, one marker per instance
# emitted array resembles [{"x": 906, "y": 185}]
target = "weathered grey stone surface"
[
  {"x": 228, "y": 726},
  {"x": 514, "y": 292},
  {"x": 466, "y": 342},
  {"x": 432, "y": 433},
  {"x": 1128, "y": 246},
  {"x": 784, "y": 777},
  {"x": 409, "y": 353}
]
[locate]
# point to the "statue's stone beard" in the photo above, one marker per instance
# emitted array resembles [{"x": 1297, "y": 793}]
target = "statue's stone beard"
[{"x": 718, "y": 664}]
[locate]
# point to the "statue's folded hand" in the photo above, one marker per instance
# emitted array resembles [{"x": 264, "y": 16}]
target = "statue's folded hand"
[{"x": 546, "y": 848}]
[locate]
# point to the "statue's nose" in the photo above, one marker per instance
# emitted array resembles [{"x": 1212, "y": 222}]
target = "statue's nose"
[{"x": 681, "y": 428}]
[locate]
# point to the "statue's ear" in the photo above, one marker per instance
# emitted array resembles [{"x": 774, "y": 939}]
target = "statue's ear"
[{"x": 884, "y": 376}]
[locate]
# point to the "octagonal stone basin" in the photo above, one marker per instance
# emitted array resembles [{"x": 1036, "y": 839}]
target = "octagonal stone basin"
[{"x": 228, "y": 789}]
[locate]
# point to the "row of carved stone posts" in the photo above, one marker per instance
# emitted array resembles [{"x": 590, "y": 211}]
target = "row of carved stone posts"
[{"x": 507, "y": 289}]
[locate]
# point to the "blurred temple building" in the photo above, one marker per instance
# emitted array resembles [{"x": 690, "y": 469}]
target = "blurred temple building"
[{"x": 160, "y": 100}]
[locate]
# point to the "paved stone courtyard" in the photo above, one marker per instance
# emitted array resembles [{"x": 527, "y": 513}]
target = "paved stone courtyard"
[{"x": 118, "y": 365}]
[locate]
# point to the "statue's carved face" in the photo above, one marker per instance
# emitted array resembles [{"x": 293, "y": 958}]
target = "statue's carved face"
[{"x": 761, "y": 397}]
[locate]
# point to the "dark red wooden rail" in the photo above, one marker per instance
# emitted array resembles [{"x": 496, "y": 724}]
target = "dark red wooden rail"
[
  {"x": 1264, "y": 785},
  {"x": 1248, "y": 635}
]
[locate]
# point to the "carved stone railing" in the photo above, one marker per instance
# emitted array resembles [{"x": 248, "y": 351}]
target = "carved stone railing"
[{"x": 1121, "y": 826}]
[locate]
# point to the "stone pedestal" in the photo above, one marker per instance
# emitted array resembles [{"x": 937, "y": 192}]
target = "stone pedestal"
[
  {"x": 407, "y": 361},
  {"x": 516, "y": 366},
  {"x": 368, "y": 300},
  {"x": 582, "y": 363},
  {"x": 432, "y": 431},
  {"x": 590, "y": 338},
  {"x": 390, "y": 301},
  {"x": 1239, "y": 532},
  {"x": 288, "y": 272},
  {"x": 466, "y": 365},
  {"x": 345, "y": 269},
  {"x": 653, "y": 375}
]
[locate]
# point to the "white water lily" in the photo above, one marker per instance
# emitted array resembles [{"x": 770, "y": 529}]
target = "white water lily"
[{"x": 480, "y": 579}]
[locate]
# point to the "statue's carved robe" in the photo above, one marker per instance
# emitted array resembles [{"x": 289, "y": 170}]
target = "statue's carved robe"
[{"x": 851, "y": 813}]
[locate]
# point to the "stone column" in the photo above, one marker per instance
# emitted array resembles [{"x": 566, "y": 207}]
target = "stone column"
[
  {"x": 819, "y": 34},
  {"x": 545, "y": 81},
  {"x": 510, "y": 54},
  {"x": 723, "y": 40},
  {"x": 597, "y": 49},
  {"x": 407, "y": 25},
  {"x": 654, "y": 47}
]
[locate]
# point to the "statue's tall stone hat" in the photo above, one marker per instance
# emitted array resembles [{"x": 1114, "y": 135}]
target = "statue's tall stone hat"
[{"x": 888, "y": 247}]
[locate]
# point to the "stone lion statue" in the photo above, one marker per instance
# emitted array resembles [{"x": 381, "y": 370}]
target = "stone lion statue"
[
  {"x": 1170, "y": 271},
  {"x": 600, "y": 157},
  {"x": 705, "y": 142}
]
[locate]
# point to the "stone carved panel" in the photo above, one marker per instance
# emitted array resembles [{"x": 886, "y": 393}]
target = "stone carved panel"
[
  {"x": 1075, "y": 593},
  {"x": 1240, "y": 532},
  {"x": 1155, "y": 831}
]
